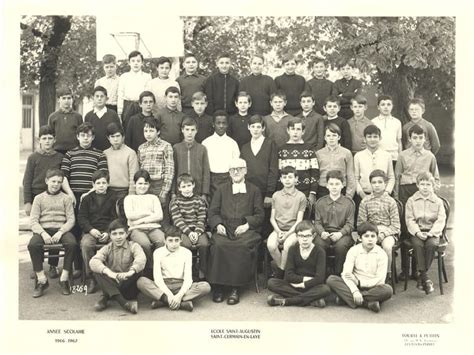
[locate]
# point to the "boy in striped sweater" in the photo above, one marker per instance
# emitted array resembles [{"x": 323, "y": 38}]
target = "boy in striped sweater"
[{"x": 188, "y": 213}]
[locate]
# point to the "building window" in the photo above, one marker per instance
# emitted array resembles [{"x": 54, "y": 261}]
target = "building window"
[{"x": 27, "y": 111}]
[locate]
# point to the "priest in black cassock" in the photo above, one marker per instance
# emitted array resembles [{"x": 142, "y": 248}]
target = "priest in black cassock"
[{"x": 235, "y": 216}]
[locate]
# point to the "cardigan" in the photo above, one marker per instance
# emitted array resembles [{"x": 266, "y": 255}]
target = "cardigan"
[{"x": 100, "y": 127}]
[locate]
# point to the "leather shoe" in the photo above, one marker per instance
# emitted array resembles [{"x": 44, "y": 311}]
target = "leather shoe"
[
  {"x": 65, "y": 287},
  {"x": 53, "y": 272},
  {"x": 321, "y": 303},
  {"x": 338, "y": 301},
  {"x": 101, "y": 304},
  {"x": 39, "y": 288},
  {"x": 157, "y": 304},
  {"x": 234, "y": 297},
  {"x": 218, "y": 296},
  {"x": 428, "y": 287},
  {"x": 131, "y": 306},
  {"x": 91, "y": 285},
  {"x": 374, "y": 306},
  {"x": 274, "y": 300},
  {"x": 187, "y": 306}
]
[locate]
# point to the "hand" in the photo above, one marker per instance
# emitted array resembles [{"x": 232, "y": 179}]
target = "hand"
[
  {"x": 311, "y": 199},
  {"x": 56, "y": 237},
  {"x": 193, "y": 237},
  {"x": 221, "y": 229},
  {"x": 429, "y": 235},
  {"x": 111, "y": 274},
  {"x": 27, "y": 208},
  {"x": 300, "y": 285},
  {"x": 95, "y": 233},
  {"x": 335, "y": 236},
  {"x": 381, "y": 237},
  {"x": 46, "y": 238},
  {"x": 73, "y": 198},
  {"x": 281, "y": 236},
  {"x": 104, "y": 237},
  {"x": 242, "y": 229},
  {"x": 358, "y": 298},
  {"x": 163, "y": 198},
  {"x": 174, "y": 301},
  {"x": 325, "y": 235},
  {"x": 421, "y": 235},
  {"x": 267, "y": 202}
]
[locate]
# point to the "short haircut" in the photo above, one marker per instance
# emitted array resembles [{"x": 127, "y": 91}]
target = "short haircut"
[
  {"x": 163, "y": 60},
  {"x": 306, "y": 94},
  {"x": 64, "y": 91},
  {"x": 361, "y": 100},
  {"x": 334, "y": 128},
  {"x": 305, "y": 225},
  {"x": 280, "y": 94},
  {"x": 346, "y": 61},
  {"x": 289, "y": 170},
  {"x": 46, "y": 130},
  {"x": 113, "y": 128},
  {"x": 54, "y": 172},
  {"x": 101, "y": 89},
  {"x": 172, "y": 232},
  {"x": 294, "y": 121},
  {"x": 319, "y": 60},
  {"x": 146, "y": 94},
  {"x": 152, "y": 122},
  {"x": 381, "y": 98},
  {"x": 189, "y": 55},
  {"x": 244, "y": 94},
  {"x": 332, "y": 98},
  {"x": 85, "y": 127},
  {"x": 173, "y": 90},
  {"x": 109, "y": 59},
  {"x": 219, "y": 113},
  {"x": 335, "y": 174},
  {"x": 372, "y": 129},
  {"x": 188, "y": 121},
  {"x": 425, "y": 176},
  {"x": 185, "y": 177},
  {"x": 142, "y": 173},
  {"x": 378, "y": 173},
  {"x": 257, "y": 119},
  {"x": 365, "y": 227},
  {"x": 223, "y": 55},
  {"x": 99, "y": 174},
  {"x": 118, "y": 224},
  {"x": 287, "y": 57},
  {"x": 199, "y": 95},
  {"x": 257, "y": 55},
  {"x": 135, "y": 54},
  {"x": 416, "y": 130},
  {"x": 417, "y": 101}
]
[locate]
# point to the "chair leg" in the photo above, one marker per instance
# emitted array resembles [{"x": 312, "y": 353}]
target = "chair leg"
[
  {"x": 265, "y": 268},
  {"x": 393, "y": 271},
  {"x": 440, "y": 270},
  {"x": 445, "y": 274},
  {"x": 405, "y": 268},
  {"x": 257, "y": 289}
]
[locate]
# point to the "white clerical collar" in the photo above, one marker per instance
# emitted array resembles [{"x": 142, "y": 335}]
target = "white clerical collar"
[{"x": 239, "y": 188}]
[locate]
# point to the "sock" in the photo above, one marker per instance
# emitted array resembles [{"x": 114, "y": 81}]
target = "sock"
[
  {"x": 120, "y": 299},
  {"x": 424, "y": 276},
  {"x": 64, "y": 275},
  {"x": 41, "y": 277}
]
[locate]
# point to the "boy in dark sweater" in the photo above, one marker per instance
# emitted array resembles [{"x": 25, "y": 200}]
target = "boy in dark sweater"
[
  {"x": 205, "y": 124},
  {"x": 313, "y": 121},
  {"x": 238, "y": 124},
  {"x": 134, "y": 131},
  {"x": 100, "y": 117},
  {"x": 96, "y": 212},
  {"x": 332, "y": 107},
  {"x": 190, "y": 82},
  {"x": 320, "y": 86},
  {"x": 347, "y": 88},
  {"x": 304, "y": 273}
]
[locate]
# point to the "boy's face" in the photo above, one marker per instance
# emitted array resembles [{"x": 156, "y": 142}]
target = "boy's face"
[
  {"x": 116, "y": 140},
  {"x": 54, "y": 184},
  {"x": 172, "y": 243},
  {"x": 425, "y": 187},
  {"x": 147, "y": 105},
  {"x": 305, "y": 238},
  {"x": 99, "y": 99},
  {"x": 110, "y": 69},
  {"x": 331, "y": 138},
  {"x": 141, "y": 186},
  {"x": 417, "y": 140},
  {"x": 256, "y": 66},
  {"x": 220, "y": 125},
  {"x": 346, "y": 71},
  {"x": 334, "y": 186},
  {"x": 369, "y": 240},
  {"x": 288, "y": 180},
  {"x": 118, "y": 236},
  {"x": 295, "y": 132},
  {"x": 358, "y": 109},
  {"x": 307, "y": 103},
  {"x": 172, "y": 100},
  {"x": 290, "y": 67},
  {"x": 385, "y": 107},
  {"x": 256, "y": 130},
  {"x": 223, "y": 64},
  {"x": 190, "y": 65},
  {"x": 136, "y": 63},
  {"x": 378, "y": 184},
  {"x": 164, "y": 70},
  {"x": 189, "y": 132},
  {"x": 243, "y": 104},
  {"x": 278, "y": 104},
  {"x": 46, "y": 142},
  {"x": 186, "y": 188},
  {"x": 65, "y": 102},
  {"x": 415, "y": 111},
  {"x": 199, "y": 106},
  {"x": 372, "y": 140},
  {"x": 100, "y": 185},
  {"x": 319, "y": 69},
  {"x": 85, "y": 139},
  {"x": 150, "y": 133},
  {"x": 331, "y": 108}
]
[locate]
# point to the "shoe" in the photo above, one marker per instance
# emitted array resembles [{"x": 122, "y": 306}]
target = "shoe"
[
  {"x": 65, "y": 287},
  {"x": 428, "y": 286},
  {"x": 187, "y": 306},
  {"x": 338, "y": 301},
  {"x": 76, "y": 274},
  {"x": 53, "y": 272},
  {"x": 91, "y": 285},
  {"x": 39, "y": 288},
  {"x": 131, "y": 306},
  {"x": 415, "y": 275},
  {"x": 321, "y": 303},
  {"x": 419, "y": 284},
  {"x": 234, "y": 297},
  {"x": 157, "y": 304},
  {"x": 274, "y": 300},
  {"x": 218, "y": 296},
  {"x": 102, "y": 303},
  {"x": 374, "y": 306}
]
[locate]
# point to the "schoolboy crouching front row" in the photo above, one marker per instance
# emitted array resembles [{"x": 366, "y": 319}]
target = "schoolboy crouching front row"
[{"x": 362, "y": 282}]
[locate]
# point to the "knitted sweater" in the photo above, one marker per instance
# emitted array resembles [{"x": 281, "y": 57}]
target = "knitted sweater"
[
  {"x": 188, "y": 213},
  {"x": 52, "y": 212}
]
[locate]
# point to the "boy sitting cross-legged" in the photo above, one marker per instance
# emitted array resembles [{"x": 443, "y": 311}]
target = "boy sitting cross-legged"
[
  {"x": 304, "y": 273},
  {"x": 173, "y": 285}
]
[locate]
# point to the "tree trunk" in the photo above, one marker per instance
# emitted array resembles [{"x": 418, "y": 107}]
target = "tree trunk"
[{"x": 48, "y": 68}]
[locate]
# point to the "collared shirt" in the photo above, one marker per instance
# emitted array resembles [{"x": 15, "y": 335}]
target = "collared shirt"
[
  {"x": 370, "y": 268},
  {"x": 130, "y": 86},
  {"x": 119, "y": 258},
  {"x": 432, "y": 140},
  {"x": 256, "y": 144},
  {"x": 365, "y": 162},
  {"x": 156, "y": 157},
  {"x": 425, "y": 214},
  {"x": 276, "y": 128},
  {"x": 391, "y": 129},
  {"x": 101, "y": 112},
  {"x": 381, "y": 211},
  {"x": 111, "y": 85},
  {"x": 239, "y": 188},
  {"x": 286, "y": 206},
  {"x": 148, "y": 204},
  {"x": 357, "y": 130},
  {"x": 221, "y": 150},
  {"x": 340, "y": 159},
  {"x": 172, "y": 265},
  {"x": 411, "y": 163},
  {"x": 334, "y": 216},
  {"x": 158, "y": 87},
  {"x": 190, "y": 84}
]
